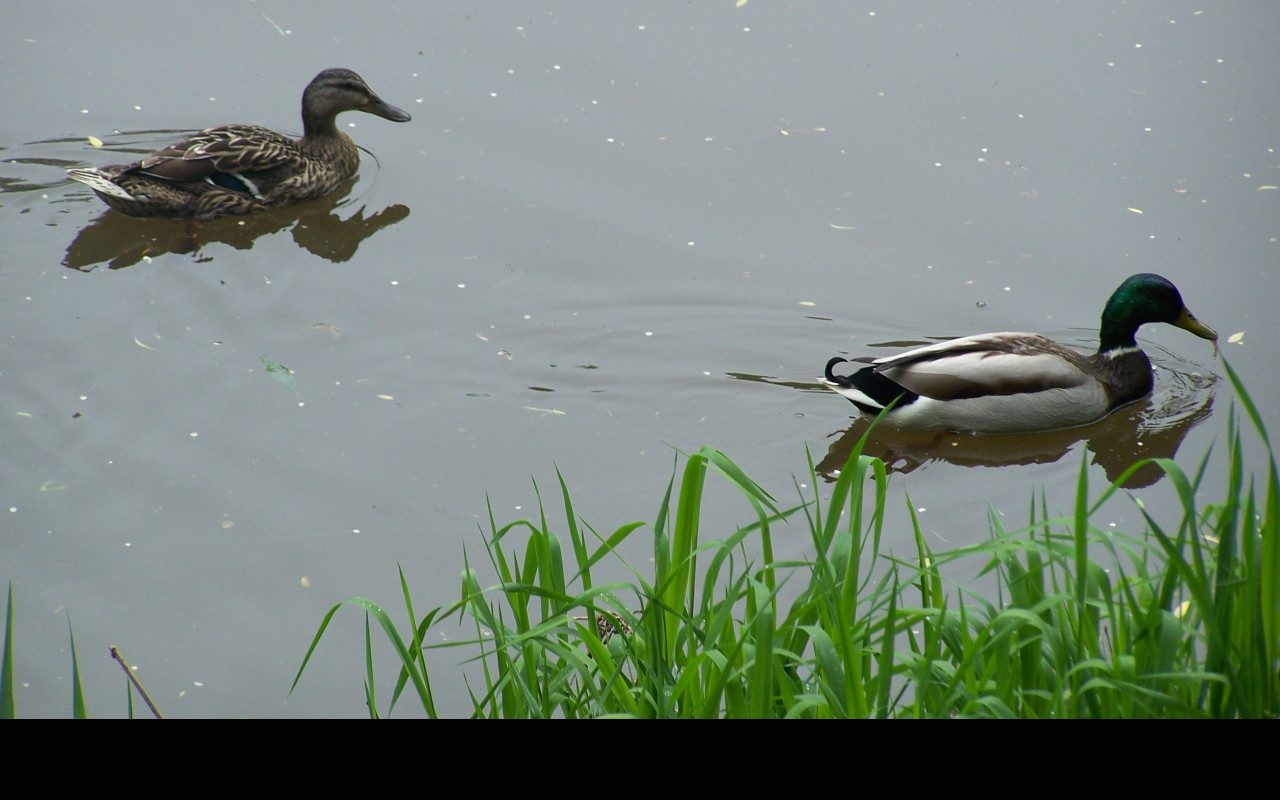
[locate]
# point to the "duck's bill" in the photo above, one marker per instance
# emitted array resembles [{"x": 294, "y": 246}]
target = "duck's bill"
[
  {"x": 1188, "y": 322},
  {"x": 386, "y": 111}
]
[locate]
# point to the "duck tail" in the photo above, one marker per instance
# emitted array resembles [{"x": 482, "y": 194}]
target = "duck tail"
[
  {"x": 99, "y": 182},
  {"x": 868, "y": 389},
  {"x": 832, "y": 377},
  {"x": 848, "y": 386}
]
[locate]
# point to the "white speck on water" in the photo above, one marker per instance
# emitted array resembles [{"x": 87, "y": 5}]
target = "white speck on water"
[
  {"x": 194, "y": 434},
  {"x": 462, "y": 286}
]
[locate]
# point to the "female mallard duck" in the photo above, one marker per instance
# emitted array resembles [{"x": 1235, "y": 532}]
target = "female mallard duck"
[
  {"x": 235, "y": 169},
  {"x": 1020, "y": 382}
]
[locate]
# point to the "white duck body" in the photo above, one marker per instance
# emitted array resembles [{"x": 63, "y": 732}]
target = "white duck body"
[
  {"x": 1019, "y": 382},
  {"x": 1005, "y": 382}
]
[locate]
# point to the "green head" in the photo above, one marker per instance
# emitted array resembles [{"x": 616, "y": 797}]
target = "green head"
[{"x": 1144, "y": 298}]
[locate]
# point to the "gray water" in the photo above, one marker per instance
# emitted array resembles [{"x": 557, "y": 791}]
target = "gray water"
[{"x": 608, "y": 236}]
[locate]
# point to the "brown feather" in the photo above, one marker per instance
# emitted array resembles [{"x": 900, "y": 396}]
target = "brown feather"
[{"x": 236, "y": 169}]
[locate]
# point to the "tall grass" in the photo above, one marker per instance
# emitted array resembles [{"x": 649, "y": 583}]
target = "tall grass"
[
  {"x": 1177, "y": 622},
  {"x": 1173, "y": 621},
  {"x": 8, "y": 703},
  {"x": 79, "y": 708}
]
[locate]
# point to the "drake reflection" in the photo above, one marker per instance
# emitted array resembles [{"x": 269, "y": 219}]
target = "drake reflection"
[{"x": 1151, "y": 428}]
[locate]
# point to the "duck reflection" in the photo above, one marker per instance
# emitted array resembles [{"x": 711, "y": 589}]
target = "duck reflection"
[
  {"x": 1151, "y": 428},
  {"x": 119, "y": 241}
]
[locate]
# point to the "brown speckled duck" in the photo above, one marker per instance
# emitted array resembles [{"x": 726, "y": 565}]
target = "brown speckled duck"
[
  {"x": 1019, "y": 382},
  {"x": 236, "y": 169}
]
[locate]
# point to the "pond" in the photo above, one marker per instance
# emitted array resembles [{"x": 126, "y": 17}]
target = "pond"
[{"x": 608, "y": 236}]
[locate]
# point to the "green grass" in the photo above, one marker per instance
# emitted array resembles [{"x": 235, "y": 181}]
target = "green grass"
[
  {"x": 1170, "y": 622},
  {"x": 1179, "y": 622},
  {"x": 8, "y": 705},
  {"x": 79, "y": 709}
]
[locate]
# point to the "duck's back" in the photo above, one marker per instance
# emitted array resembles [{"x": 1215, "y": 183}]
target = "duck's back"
[{"x": 233, "y": 169}]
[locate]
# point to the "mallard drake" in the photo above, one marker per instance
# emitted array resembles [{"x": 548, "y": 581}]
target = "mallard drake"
[
  {"x": 1020, "y": 382},
  {"x": 236, "y": 169}
]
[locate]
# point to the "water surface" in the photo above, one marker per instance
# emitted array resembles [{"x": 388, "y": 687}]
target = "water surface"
[{"x": 607, "y": 236}]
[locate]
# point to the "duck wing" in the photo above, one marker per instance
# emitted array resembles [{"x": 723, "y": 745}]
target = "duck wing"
[
  {"x": 229, "y": 149},
  {"x": 988, "y": 364}
]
